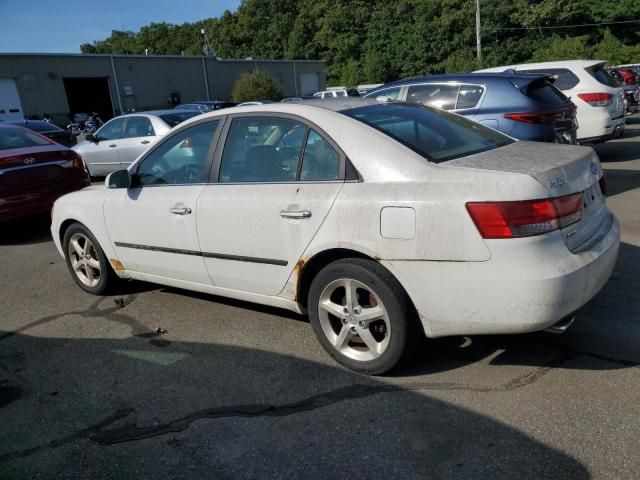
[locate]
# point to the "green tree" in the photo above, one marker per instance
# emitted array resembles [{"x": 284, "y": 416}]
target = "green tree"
[{"x": 256, "y": 86}]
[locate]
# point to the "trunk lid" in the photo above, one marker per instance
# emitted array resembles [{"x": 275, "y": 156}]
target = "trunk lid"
[
  {"x": 560, "y": 169},
  {"x": 26, "y": 168}
]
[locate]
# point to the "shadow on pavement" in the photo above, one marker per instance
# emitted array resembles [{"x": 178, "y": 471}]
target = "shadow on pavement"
[
  {"x": 620, "y": 181},
  {"x": 26, "y": 231},
  {"x": 122, "y": 408}
]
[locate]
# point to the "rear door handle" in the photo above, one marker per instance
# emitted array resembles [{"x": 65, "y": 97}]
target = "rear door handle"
[
  {"x": 113, "y": 145},
  {"x": 144, "y": 142},
  {"x": 180, "y": 211},
  {"x": 295, "y": 214}
]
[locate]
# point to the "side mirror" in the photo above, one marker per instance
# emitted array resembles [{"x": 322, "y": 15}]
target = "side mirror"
[
  {"x": 119, "y": 179},
  {"x": 90, "y": 137}
]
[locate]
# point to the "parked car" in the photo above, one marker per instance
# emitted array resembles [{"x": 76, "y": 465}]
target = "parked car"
[
  {"x": 525, "y": 106},
  {"x": 383, "y": 221},
  {"x": 34, "y": 172},
  {"x": 122, "y": 139},
  {"x": 48, "y": 129},
  {"x": 206, "y": 105},
  {"x": 337, "y": 93},
  {"x": 600, "y": 102},
  {"x": 631, "y": 91}
]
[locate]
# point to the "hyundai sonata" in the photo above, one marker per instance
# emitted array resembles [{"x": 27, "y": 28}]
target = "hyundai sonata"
[{"x": 383, "y": 221}]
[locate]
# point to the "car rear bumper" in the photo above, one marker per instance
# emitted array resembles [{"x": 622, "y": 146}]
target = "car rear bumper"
[
  {"x": 595, "y": 124},
  {"x": 529, "y": 284}
]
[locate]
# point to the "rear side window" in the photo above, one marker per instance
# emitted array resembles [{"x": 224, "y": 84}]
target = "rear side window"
[
  {"x": 602, "y": 76},
  {"x": 434, "y": 95},
  {"x": 544, "y": 92},
  {"x": 469, "y": 96},
  {"x": 20, "y": 138},
  {"x": 436, "y": 135},
  {"x": 565, "y": 79},
  {"x": 138, "y": 127}
]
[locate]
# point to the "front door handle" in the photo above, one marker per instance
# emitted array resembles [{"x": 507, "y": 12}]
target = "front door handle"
[
  {"x": 144, "y": 142},
  {"x": 295, "y": 214},
  {"x": 180, "y": 211},
  {"x": 113, "y": 145}
]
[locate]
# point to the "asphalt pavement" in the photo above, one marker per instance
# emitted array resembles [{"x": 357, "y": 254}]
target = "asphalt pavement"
[{"x": 161, "y": 383}]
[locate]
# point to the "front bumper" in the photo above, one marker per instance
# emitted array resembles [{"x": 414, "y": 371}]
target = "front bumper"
[{"x": 529, "y": 284}]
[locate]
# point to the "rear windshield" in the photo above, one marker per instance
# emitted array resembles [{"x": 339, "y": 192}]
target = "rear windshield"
[
  {"x": 175, "y": 118},
  {"x": 435, "y": 134},
  {"x": 544, "y": 92},
  {"x": 20, "y": 138},
  {"x": 602, "y": 76}
]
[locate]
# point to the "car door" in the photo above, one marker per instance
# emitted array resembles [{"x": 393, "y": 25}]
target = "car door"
[
  {"x": 153, "y": 224},
  {"x": 139, "y": 135},
  {"x": 278, "y": 178},
  {"x": 102, "y": 154}
]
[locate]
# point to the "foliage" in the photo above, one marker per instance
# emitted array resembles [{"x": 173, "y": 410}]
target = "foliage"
[
  {"x": 255, "y": 86},
  {"x": 367, "y": 41}
]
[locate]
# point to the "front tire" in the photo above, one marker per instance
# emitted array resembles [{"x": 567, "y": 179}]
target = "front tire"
[
  {"x": 86, "y": 261},
  {"x": 362, "y": 316}
]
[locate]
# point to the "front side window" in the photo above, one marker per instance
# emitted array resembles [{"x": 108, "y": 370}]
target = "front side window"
[
  {"x": 262, "y": 149},
  {"x": 436, "y": 135},
  {"x": 434, "y": 95},
  {"x": 138, "y": 127},
  {"x": 111, "y": 130},
  {"x": 181, "y": 159},
  {"x": 320, "y": 161}
]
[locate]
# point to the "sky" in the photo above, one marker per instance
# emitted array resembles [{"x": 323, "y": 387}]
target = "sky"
[{"x": 61, "y": 26}]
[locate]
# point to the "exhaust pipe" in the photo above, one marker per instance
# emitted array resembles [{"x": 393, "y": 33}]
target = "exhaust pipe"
[{"x": 561, "y": 326}]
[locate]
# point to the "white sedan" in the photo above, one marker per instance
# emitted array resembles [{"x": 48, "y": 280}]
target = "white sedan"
[
  {"x": 122, "y": 139},
  {"x": 383, "y": 221}
]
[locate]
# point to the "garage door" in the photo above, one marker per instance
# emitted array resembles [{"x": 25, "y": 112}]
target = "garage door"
[
  {"x": 10, "y": 108},
  {"x": 309, "y": 83}
]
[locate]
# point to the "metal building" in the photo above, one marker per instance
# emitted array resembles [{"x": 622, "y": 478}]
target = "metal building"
[{"x": 60, "y": 85}]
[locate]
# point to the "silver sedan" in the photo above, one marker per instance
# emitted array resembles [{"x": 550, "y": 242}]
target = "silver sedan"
[{"x": 122, "y": 139}]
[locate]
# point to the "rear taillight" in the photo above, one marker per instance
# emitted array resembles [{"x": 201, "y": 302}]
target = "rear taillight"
[
  {"x": 544, "y": 118},
  {"x": 596, "y": 99},
  {"x": 525, "y": 218},
  {"x": 76, "y": 162},
  {"x": 603, "y": 185}
]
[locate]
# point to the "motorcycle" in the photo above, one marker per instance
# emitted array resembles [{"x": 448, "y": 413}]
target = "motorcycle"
[{"x": 83, "y": 124}]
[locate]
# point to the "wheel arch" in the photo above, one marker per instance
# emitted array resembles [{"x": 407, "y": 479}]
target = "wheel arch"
[{"x": 309, "y": 269}]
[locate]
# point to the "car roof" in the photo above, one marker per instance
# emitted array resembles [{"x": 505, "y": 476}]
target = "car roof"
[
  {"x": 555, "y": 63},
  {"x": 44, "y": 126},
  {"x": 155, "y": 113},
  {"x": 461, "y": 77}
]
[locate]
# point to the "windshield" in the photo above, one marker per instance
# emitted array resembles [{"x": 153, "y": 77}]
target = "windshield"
[
  {"x": 436, "y": 135},
  {"x": 20, "y": 138},
  {"x": 175, "y": 118}
]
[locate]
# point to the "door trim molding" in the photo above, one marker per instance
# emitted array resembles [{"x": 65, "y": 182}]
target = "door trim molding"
[{"x": 219, "y": 256}]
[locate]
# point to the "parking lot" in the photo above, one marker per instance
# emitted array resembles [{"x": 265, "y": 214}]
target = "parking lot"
[{"x": 158, "y": 382}]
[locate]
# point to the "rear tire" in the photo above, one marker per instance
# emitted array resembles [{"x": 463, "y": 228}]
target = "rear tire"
[
  {"x": 86, "y": 261},
  {"x": 362, "y": 316}
]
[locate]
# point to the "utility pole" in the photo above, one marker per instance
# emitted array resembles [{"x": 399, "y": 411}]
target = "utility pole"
[{"x": 478, "y": 40}]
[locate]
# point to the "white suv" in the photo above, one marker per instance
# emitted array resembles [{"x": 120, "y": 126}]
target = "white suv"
[{"x": 599, "y": 101}]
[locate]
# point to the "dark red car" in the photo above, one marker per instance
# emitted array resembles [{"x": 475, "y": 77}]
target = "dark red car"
[{"x": 34, "y": 172}]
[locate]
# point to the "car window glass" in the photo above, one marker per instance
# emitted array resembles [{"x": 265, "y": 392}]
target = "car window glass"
[
  {"x": 565, "y": 79},
  {"x": 545, "y": 92},
  {"x": 175, "y": 118},
  {"x": 434, "y": 95},
  {"x": 182, "y": 158},
  {"x": 469, "y": 96},
  {"x": 262, "y": 149},
  {"x": 20, "y": 138},
  {"x": 436, "y": 135},
  {"x": 111, "y": 130},
  {"x": 602, "y": 76},
  {"x": 341, "y": 93},
  {"x": 388, "y": 94},
  {"x": 320, "y": 161},
  {"x": 138, "y": 127}
]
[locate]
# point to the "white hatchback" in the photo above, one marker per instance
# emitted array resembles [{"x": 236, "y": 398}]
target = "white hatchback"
[
  {"x": 384, "y": 222},
  {"x": 599, "y": 100}
]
